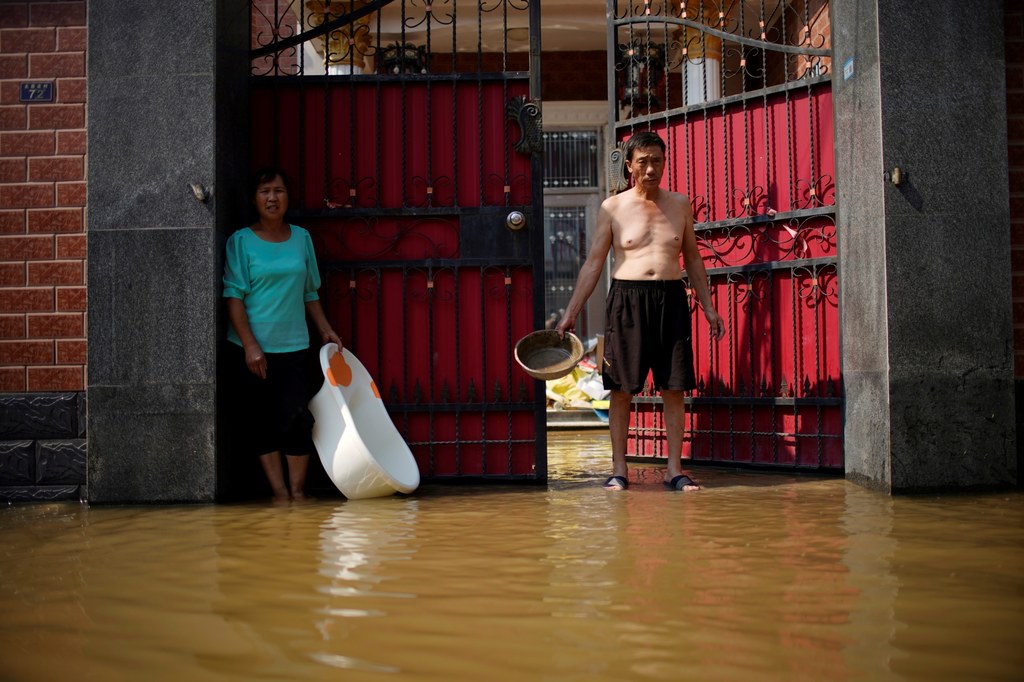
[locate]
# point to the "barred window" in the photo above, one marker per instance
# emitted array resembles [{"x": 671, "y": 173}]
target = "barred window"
[
  {"x": 566, "y": 231},
  {"x": 570, "y": 159}
]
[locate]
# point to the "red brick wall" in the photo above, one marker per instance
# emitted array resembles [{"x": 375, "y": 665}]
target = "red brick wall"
[
  {"x": 42, "y": 198},
  {"x": 1014, "y": 28},
  {"x": 574, "y": 76},
  {"x": 564, "y": 76}
]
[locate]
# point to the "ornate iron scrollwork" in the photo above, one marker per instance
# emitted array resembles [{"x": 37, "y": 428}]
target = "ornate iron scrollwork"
[
  {"x": 403, "y": 58},
  {"x": 527, "y": 115},
  {"x": 616, "y": 170}
]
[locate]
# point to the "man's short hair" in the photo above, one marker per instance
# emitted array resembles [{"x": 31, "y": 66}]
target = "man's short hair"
[{"x": 639, "y": 141}]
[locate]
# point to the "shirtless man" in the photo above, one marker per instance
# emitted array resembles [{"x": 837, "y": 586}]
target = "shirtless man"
[{"x": 646, "y": 228}]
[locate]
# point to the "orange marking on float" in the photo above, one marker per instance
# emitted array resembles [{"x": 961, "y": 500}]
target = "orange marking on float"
[
  {"x": 376, "y": 393},
  {"x": 339, "y": 373}
]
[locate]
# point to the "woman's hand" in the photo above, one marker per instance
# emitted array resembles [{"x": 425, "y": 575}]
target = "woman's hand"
[
  {"x": 328, "y": 335},
  {"x": 256, "y": 360}
]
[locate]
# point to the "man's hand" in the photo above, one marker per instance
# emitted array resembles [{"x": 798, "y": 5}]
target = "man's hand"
[
  {"x": 715, "y": 323},
  {"x": 565, "y": 325}
]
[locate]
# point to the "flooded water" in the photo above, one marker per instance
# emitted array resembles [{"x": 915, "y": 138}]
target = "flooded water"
[{"x": 757, "y": 577}]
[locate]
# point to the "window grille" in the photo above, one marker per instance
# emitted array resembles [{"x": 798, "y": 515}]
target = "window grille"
[
  {"x": 564, "y": 251},
  {"x": 570, "y": 159}
]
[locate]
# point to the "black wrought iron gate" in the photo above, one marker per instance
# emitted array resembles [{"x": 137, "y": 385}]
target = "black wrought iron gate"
[
  {"x": 740, "y": 92},
  {"x": 412, "y": 132}
]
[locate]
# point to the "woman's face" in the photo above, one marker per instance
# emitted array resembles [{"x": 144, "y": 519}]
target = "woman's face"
[{"x": 272, "y": 199}]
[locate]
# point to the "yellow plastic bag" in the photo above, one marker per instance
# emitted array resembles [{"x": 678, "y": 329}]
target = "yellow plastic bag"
[{"x": 564, "y": 392}]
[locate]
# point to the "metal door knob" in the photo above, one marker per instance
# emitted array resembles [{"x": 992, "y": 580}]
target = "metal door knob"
[{"x": 515, "y": 221}]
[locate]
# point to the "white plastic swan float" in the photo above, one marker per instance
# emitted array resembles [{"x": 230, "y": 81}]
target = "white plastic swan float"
[{"x": 360, "y": 448}]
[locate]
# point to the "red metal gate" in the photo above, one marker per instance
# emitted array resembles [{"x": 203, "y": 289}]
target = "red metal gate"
[
  {"x": 741, "y": 94},
  {"x": 415, "y": 168}
]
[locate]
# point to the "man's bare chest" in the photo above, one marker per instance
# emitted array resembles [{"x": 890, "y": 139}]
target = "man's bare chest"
[{"x": 641, "y": 226}]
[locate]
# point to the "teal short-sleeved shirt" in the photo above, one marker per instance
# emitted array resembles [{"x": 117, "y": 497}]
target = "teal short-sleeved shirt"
[{"x": 275, "y": 280}]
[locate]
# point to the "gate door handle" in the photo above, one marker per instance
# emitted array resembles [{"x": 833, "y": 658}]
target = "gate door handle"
[{"x": 515, "y": 221}]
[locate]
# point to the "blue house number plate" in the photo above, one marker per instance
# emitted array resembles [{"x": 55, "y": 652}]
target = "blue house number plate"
[{"x": 37, "y": 91}]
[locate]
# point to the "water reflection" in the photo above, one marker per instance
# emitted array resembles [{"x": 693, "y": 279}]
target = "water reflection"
[
  {"x": 757, "y": 577},
  {"x": 355, "y": 543},
  {"x": 869, "y": 551}
]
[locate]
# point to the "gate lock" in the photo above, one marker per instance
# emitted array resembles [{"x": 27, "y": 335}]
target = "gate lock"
[{"x": 515, "y": 221}]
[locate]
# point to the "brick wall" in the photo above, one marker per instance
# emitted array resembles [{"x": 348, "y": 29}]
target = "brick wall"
[
  {"x": 574, "y": 76},
  {"x": 564, "y": 76},
  {"x": 42, "y": 199}
]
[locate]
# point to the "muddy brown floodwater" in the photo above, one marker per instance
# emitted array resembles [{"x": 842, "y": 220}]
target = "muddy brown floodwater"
[{"x": 757, "y": 577}]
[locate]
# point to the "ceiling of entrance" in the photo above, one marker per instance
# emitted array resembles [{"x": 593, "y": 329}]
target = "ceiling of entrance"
[{"x": 566, "y": 25}]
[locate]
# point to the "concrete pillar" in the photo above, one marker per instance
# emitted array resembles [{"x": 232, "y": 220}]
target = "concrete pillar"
[
  {"x": 167, "y": 108},
  {"x": 926, "y": 312}
]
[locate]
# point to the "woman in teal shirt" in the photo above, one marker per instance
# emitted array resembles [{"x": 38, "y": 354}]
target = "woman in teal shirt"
[{"x": 270, "y": 284}]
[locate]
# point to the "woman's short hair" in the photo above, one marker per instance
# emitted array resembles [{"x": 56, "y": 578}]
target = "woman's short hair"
[{"x": 266, "y": 174}]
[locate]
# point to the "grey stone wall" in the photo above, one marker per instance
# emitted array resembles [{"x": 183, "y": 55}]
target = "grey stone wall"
[
  {"x": 861, "y": 237},
  {"x": 926, "y": 311},
  {"x": 166, "y": 110}
]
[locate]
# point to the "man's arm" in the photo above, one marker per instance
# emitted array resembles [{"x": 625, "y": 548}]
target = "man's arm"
[
  {"x": 590, "y": 273},
  {"x": 696, "y": 273}
]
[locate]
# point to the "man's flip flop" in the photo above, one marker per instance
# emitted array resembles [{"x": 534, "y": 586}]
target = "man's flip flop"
[
  {"x": 616, "y": 483},
  {"x": 680, "y": 482}
]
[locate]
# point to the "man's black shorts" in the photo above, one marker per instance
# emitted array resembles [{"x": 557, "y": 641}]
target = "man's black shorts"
[{"x": 648, "y": 331}]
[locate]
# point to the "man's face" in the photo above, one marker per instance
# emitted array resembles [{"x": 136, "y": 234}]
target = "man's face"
[{"x": 646, "y": 166}]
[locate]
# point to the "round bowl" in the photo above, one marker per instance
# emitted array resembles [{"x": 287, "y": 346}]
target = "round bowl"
[{"x": 546, "y": 355}]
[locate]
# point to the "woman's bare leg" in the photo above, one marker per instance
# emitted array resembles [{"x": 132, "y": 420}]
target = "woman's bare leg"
[
  {"x": 275, "y": 475},
  {"x": 297, "y": 466}
]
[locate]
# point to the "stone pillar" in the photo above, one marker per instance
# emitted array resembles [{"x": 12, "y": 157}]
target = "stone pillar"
[
  {"x": 167, "y": 109},
  {"x": 926, "y": 312}
]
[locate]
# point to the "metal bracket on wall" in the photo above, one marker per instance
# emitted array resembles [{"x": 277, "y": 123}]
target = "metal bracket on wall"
[
  {"x": 200, "y": 192},
  {"x": 895, "y": 176}
]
